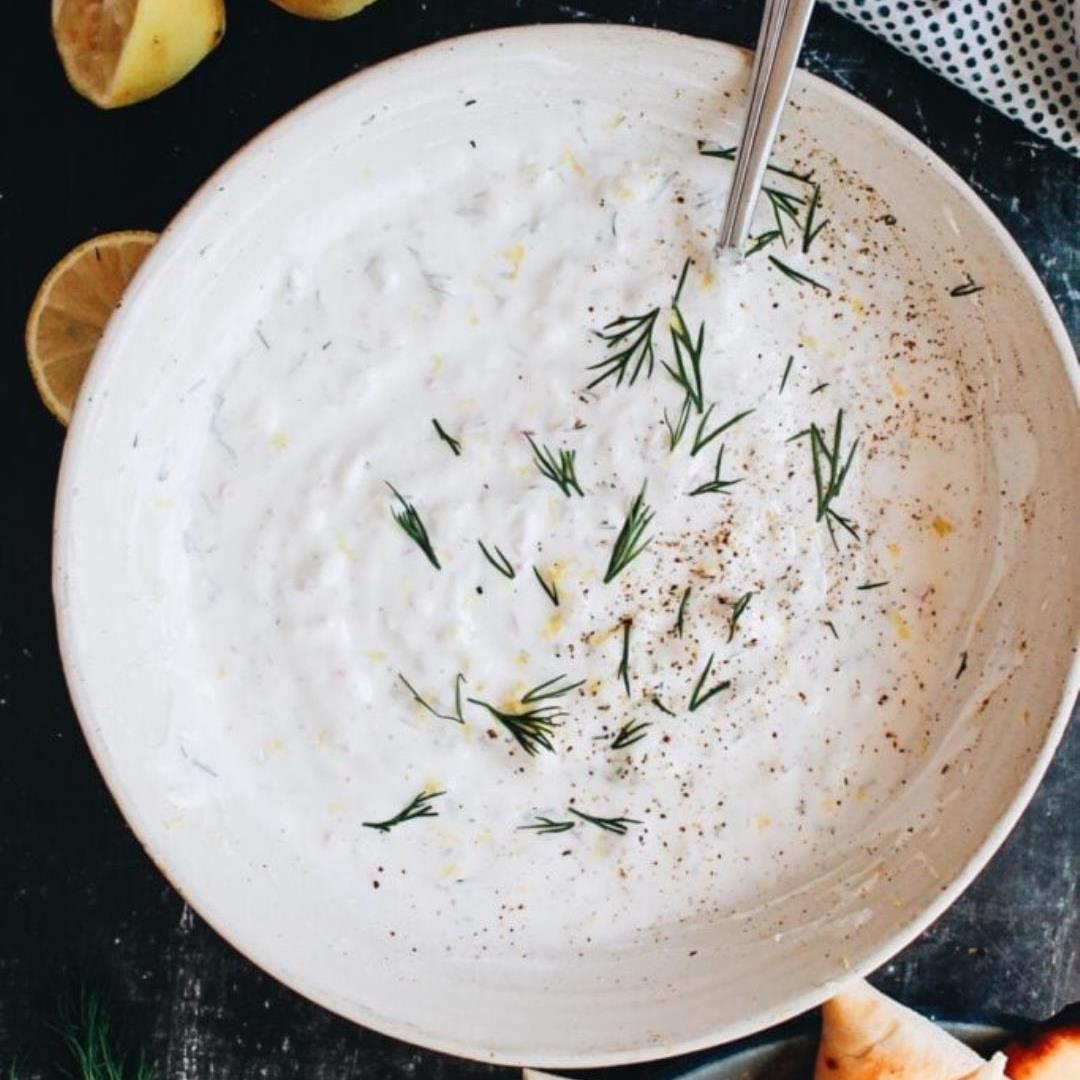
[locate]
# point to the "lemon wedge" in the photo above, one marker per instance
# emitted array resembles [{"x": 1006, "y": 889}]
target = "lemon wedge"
[
  {"x": 323, "y": 9},
  {"x": 117, "y": 52},
  {"x": 71, "y": 310}
]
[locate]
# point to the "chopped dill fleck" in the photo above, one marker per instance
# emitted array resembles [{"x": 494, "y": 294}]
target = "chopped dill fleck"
[
  {"x": 624, "y": 663},
  {"x": 630, "y": 733},
  {"x": 629, "y": 544},
  {"x": 550, "y": 689},
  {"x": 810, "y": 232},
  {"x": 787, "y": 372},
  {"x": 737, "y": 610},
  {"x": 968, "y": 288},
  {"x": 697, "y": 698},
  {"x": 686, "y": 368},
  {"x": 678, "y": 627},
  {"x": 450, "y": 441},
  {"x": 545, "y": 825},
  {"x": 762, "y": 240},
  {"x": 616, "y": 825},
  {"x": 498, "y": 560},
  {"x": 716, "y": 485},
  {"x": 552, "y": 590},
  {"x": 409, "y": 520},
  {"x": 798, "y": 276},
  {"x": 701, "y": 440},
  {"x": 457, "y": 717},
  {"x": 677, "y": 429},
  {"x": 420, "y": 807}
]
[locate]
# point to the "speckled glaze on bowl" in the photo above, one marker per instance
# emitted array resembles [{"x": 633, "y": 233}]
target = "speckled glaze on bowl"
[{"x": 695, "y": 985}]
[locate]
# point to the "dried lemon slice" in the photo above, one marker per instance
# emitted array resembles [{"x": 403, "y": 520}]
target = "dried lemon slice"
[
  {"x": 71, "y": 310},
  {"x": 117, "y": 52}
]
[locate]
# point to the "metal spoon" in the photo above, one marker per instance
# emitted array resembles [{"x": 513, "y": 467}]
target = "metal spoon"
[{"x": 783, "y": 28}]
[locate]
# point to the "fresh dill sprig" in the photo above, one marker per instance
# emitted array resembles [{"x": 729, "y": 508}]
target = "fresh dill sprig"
[
  {"x": 630, "y": 733},
  {"x": 828, "y": 623},
  {"x": 550, "y": 689},
  {"x": 654, "y": 700},
  {"x": 810, "y": 231},
  {"x": 409, "y": 521},
  {"x": 545, "y": 825},
  {"x": 624, "y": 663},
  {"x": 558, "y": 467},
  {"x": 450, "y": 441},
  {"x": 678, "y": 627},
  {"x": 552, "y": 590},
  {"x": 716, "y": 485},
  {"x": 86, "y": 1030},
  {"x": 701, "y": 440},
  {"x": 871, "y": 585},
  {"x": 420, "y": 807},
  {"x": 629, "y": 544},
  {"x": 698, "y": 698},
  {"x": 963, "y": 665},
  {"x": 784, "y": 205},
  {"x": 532, "y": 729},
  {"x": 457, "y": 717},
  {"x": 678, "y": 429},
  {"x": 968, "y": 288},
  {"x": 618, "y": 825},
  {"x": 686, "y": 369},
  {"x": 798, "y": 276},
  {"x": 632, "y": 337},
  {"x": 830, "y": 470},
  {"x": 725, "y": 153},
  {"x": 737, "y": 610},
  {"x": 787, "y": 372},
  {"x": 820, "y": 386},
  {"x": 498, "y": 560}
]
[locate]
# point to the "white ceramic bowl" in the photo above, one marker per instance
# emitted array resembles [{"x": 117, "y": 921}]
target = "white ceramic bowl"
[{"x": 119, "y": 636}]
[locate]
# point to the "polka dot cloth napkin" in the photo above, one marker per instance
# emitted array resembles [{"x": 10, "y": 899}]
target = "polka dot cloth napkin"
[{"x": 1020, "y": 56}]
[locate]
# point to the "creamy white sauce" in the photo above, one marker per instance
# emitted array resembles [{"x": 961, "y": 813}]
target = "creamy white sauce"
[{"x": 469, "y": 292}]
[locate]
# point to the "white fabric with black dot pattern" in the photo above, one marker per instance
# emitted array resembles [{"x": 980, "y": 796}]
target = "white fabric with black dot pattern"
[{"x": 1020, "y": 56}]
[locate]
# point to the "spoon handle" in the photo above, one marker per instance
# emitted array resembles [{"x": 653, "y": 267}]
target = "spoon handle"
[{"x": 783, "y": 28}]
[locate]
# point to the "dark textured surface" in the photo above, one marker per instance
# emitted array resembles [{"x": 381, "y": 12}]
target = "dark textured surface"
[{"x": 79, "y": 901}]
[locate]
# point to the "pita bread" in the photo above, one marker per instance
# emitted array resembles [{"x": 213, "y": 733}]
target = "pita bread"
[
  {"x": 1052, "y": 1053},
  {"x": 994, "y": 1069},
  {"x": 868, "y": 1036}
]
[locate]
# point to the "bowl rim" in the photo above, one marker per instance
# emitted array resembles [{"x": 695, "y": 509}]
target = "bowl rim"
[{"x": 78, "y": 435}]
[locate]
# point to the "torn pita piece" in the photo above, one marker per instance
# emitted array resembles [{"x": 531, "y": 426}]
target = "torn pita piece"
[
  {"x": 994, "y": 1069},
  {"x": 868, "y": 1036}
]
